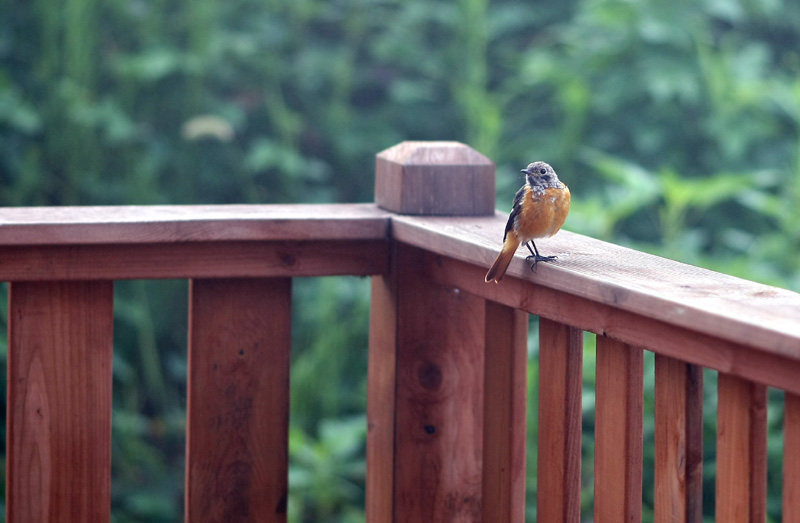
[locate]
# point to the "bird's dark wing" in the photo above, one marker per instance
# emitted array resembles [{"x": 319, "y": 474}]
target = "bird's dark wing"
[{"x": 515, "y": 210}]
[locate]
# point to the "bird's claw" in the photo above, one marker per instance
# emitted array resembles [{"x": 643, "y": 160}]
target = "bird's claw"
[{"x": 536, "y": 259}]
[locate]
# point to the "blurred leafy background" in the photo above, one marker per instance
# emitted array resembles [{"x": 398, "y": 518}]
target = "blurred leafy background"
[{"x": 675, "y": 123}]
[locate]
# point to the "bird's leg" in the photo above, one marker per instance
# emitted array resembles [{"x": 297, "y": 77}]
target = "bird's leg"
[{"x": 536, "y": 256}]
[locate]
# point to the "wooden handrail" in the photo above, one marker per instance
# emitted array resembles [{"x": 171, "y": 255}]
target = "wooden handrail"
[
  {"x": 726, "y": 307},
  {"x": 700, "y": 316},
  {"x": 447, "y": 381},
  {"x": 684, "y": 296},
  {"x": 162, "y": 224},
  {"x": 109, "y": 243}
]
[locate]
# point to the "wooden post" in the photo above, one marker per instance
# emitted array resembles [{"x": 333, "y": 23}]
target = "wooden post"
[
  {"x": 438, "y": 405},
  {"x": 429, "y": 456},
  {"x": 59, "y": 402},
  {"x": 238, "y": 400},
  {"x": 439, "y": 178}
]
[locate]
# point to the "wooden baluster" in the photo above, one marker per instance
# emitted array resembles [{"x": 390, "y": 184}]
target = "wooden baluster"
[
  {"x": 238, "y": 400},
  {"x": 504, "y": 414},
  {"x": 791, "y": 459},
  {"x": 741, "y": 450},
  {"x": 618, "y": 432},
  {"x": 425, "y": 459},
  {"x": 679, "y": 441},
  {"x": 59, "y": 404},
  {"x": 560, "y": 384}
]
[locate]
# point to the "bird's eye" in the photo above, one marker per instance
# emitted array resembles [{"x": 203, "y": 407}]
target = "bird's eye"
[{"x": 543, "y": 171}]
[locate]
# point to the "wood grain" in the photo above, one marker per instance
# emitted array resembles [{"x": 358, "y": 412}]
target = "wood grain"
[
  {"x": 714, "y": 304},
  {"x": 753, "y": 363},
  {"x": 238, "y": 400},
  {"x": 560, "y": 402},
  {"x": 741, "y": 450},
  {"x": 439, "y": 400},
  {"x": 435, "y": 178},
  {"x": 791, "y": 459},
  {"x": 678, "y": 442},
  {"x": 504, "y": 414},
  {"x": 710, "y": 303},
  {"x": 190, "y": 223},
  {"x": 237, "y": 259},
  {"x": 437, "y": 448},
  {"x": 381, "y": 402},
  {"x": 618, "y": 433},
  {"x": 59, "y": 402}
]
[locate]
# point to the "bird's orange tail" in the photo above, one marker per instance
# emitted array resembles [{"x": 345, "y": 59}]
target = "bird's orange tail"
[{"x": 500, "y": 265}]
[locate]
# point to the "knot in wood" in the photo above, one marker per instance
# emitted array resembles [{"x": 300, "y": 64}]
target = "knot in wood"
[
  {"x": 430, "y": 376},
  {"x": 288, "y": 260}
]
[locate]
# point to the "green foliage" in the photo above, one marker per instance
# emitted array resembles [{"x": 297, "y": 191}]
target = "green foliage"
[
  {"x": 676, "y": 125},
  {"x": 340, "y": 319},
  {"x": 327, "y": 475}
]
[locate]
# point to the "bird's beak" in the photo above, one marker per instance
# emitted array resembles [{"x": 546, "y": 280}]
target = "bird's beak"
[{"x": 526, "y": 171}]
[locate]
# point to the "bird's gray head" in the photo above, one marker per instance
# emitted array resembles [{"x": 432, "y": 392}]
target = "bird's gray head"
[{"x": 541, "y": 175}]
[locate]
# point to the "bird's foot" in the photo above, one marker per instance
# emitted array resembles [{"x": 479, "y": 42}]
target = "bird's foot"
[{"x": 538, "y": 258}]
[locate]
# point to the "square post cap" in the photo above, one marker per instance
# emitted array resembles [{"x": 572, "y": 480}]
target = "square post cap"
[{"x": 435, "y": 178}]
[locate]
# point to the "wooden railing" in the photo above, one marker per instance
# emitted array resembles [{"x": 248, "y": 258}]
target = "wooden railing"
[{"x": 447, "y": 362}]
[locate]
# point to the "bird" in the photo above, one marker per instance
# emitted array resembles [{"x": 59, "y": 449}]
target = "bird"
[{"x": 540, "y": 209}]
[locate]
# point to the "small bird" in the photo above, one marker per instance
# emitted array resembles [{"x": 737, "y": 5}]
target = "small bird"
[{"x": 540, "y": 209}]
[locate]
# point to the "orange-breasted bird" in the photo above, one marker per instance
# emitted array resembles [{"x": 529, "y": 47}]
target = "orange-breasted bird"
[{"x": 540, "y": 209}]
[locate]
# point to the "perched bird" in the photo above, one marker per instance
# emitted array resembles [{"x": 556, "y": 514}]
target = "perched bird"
[{"x": 540, "y": 208}]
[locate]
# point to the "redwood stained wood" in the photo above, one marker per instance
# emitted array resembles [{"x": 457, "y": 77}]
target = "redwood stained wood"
[
  {"x": 381, "y": 384},
  {"x": 504, "y": 414},
  {"x": 236, "y": 259},
  {"x": 618, "y": 433},
  {"x": 741, "y": 450},
  {"x": 59, "y": 402},
  {"x": 436, "y": 336},
  {"x": 439, "y": 400},
  {"x": 738, "y": 327},
  {"x": 678, "y": 441},
  {"x": 439, "y": 178},
  {"x": 711, "y": 303},
  {"x": 560, "y": 384},
  {"x": 238, "y": 400},
  {"x": 750, "y": 362},
  {"x": 704, "y": 301},
  {"x": 190, "y": 223},
  {"x": 791, "y": 459}
]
